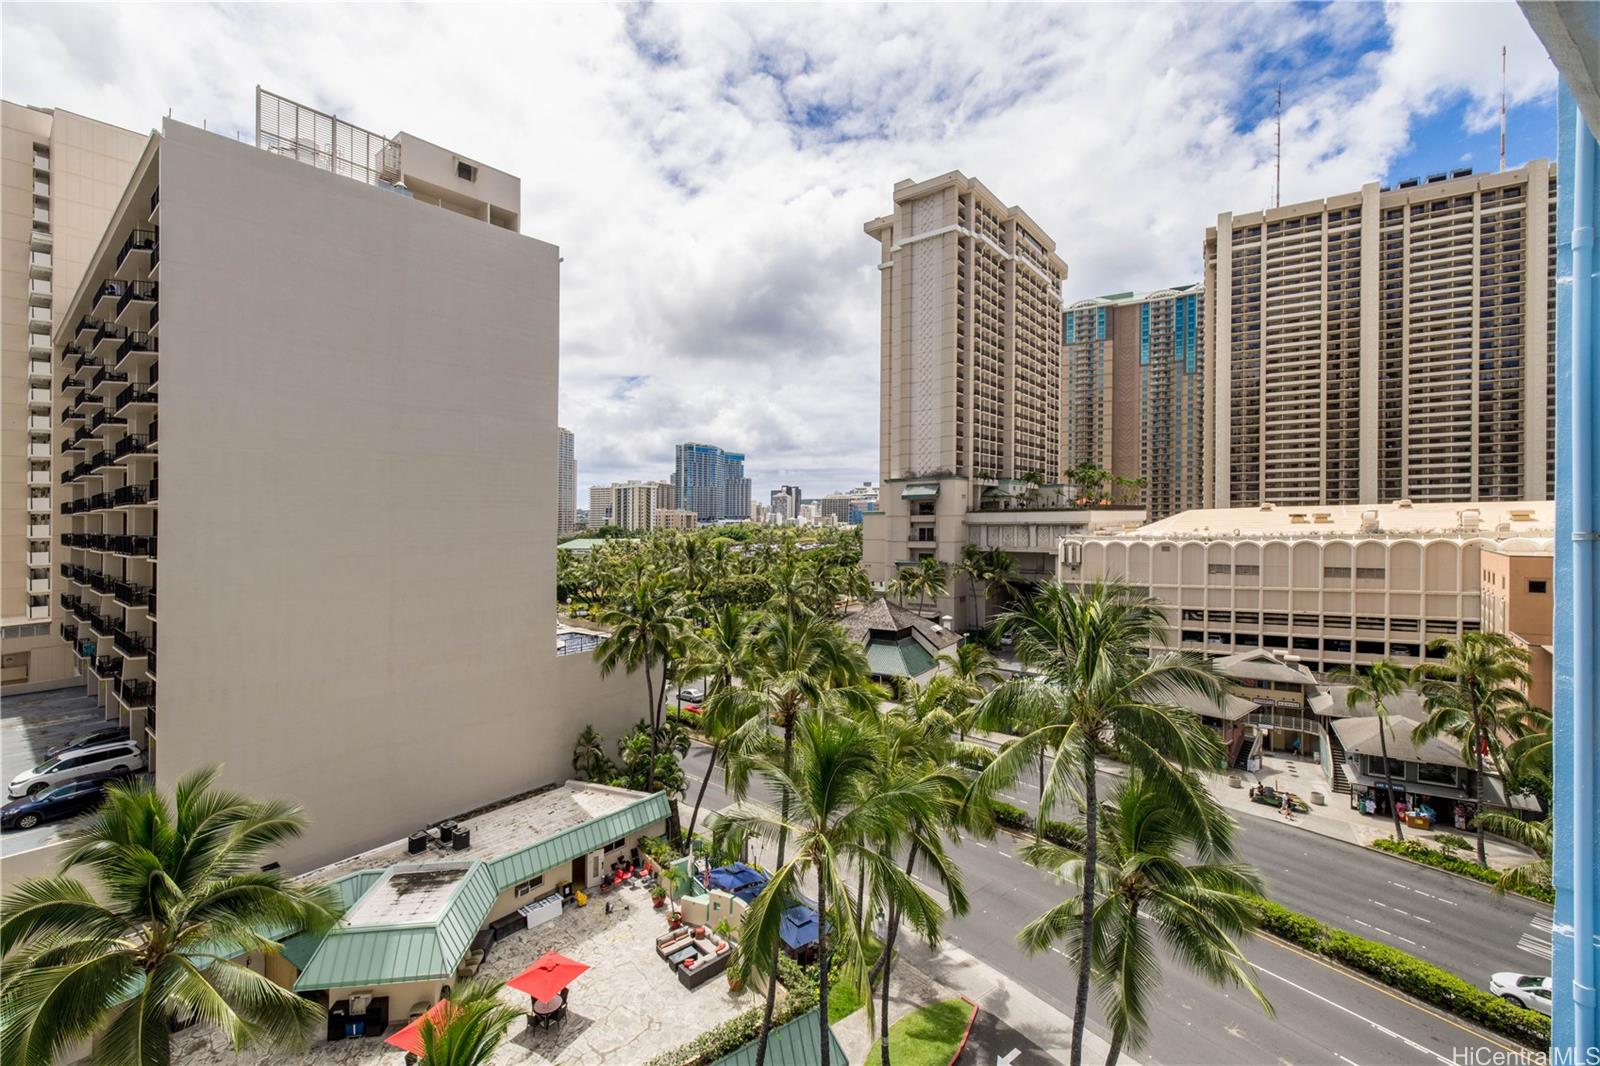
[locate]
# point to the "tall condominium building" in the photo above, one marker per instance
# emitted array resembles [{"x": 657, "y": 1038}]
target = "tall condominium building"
[
  {"x": 319, "y": 629},
  {"x": 566, "y": 484},
  {"x": 1392, "y": 343},
  {"x": 1133, "y": 396},
  {"x": 711, "y": 482},
  {"x": 628, "y": 504},
  {"x": 970, "y": 372},
  {"x": 786, "y": 501},
  {"x": 62, "y": 174}
]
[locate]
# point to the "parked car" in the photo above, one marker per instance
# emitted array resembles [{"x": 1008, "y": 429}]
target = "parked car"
[
  {"x": 119, "y": 758},
  {"x": 1523, "y": 989},
  {"x": 691, "y": 695},
  {"x": 109, "y": 734},
  {"x": 63, "y": 801}
]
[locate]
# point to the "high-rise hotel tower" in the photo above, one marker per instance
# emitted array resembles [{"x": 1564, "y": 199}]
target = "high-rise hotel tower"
[
  {"x": 322, "y": 378},
  {"x": 1391, "y": 343},
  {"x": 1133, "y": 397},
  {"x": 970, "y": 366}
]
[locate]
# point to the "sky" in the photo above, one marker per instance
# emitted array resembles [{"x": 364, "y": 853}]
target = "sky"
[{"x": 706, "y": 170}]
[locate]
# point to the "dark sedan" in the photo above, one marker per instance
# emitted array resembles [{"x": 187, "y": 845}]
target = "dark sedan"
[{"x": 63, "y": 801}]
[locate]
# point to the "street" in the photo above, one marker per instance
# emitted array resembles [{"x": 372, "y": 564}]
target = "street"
[
  {"x": 1323, "y": 1014},
  {"x": 1447, "y": 920},
  {"x": 30, "y": 725}
]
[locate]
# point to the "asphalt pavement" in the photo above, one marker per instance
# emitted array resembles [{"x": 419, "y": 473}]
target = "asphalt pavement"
[
  {"x": 30, "y": 725},
  {"x": 1448, "y": 920},
  {"x": 1322, "y": 1013}
]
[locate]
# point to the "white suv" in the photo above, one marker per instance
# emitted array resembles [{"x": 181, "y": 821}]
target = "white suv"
[{"x": 121, "y": 757}]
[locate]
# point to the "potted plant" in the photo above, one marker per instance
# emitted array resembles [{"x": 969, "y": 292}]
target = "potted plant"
[{"x": 658, "y": 895}]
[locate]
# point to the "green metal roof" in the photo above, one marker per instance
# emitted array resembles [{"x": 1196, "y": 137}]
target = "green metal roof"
[
  {"x": 578, "y": 840},
  {"x": 358, "y": 956},
  {"x": 796, "y": 1043},
  {"x": 362, "y": 955},
  {"x": 905, "y": 657},
  {"x": 919, "y": 492}
]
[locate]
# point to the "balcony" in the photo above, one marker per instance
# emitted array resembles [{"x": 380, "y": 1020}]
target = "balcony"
[
  {"x": 39, "y": 531},
  {"x": 69, "y": 632},
  {"x": 108, "y": 382},
  {"x": 150, "y": 609},
  {"x": 130, "y": 594},
  {"x": 39, "y": 504},
  {"x": 133, "y": 444},
  {"x": 150, "y": 667},
  {"x": 107, "y": 666},
  {"x": 129, "y": 496},
  {"x": 135, "y": 394},
  {"x": 136, "y": 252},
  {"x": 134, "y": 693},
  {"x": 135, "y": 302},
  {"x": 132, "y": 645},
  {"x": 137, "y": 350},
  {"x": 39, "y": 369},
  {"x": 38, "y": 586},
  {"x": 137, "y": 546},
  {"x": 106, "y": 296}
]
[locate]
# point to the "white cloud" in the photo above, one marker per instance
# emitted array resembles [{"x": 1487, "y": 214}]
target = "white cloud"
[{"x": 706, "y": 169}]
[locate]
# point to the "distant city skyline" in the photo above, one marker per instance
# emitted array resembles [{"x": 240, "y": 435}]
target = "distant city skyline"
[{"x": 778, "y": 132}]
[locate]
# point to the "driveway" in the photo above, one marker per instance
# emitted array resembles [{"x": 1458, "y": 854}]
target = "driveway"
[{"x": 30, "y": 725}]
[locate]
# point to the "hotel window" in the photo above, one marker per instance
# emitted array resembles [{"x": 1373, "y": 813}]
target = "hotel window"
[{"x": 1538, "y": 588}]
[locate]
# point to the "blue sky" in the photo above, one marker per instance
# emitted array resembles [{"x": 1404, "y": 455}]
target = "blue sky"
[{"x": 706, "y": 169}]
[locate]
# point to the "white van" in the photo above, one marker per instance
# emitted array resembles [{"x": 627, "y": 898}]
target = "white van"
[{"x": 119, "y": 757}]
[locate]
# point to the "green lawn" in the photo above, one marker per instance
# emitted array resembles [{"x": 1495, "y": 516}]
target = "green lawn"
[
  {"x": 929, "y": 1036},
  {"x": 843, "y": 1002}
]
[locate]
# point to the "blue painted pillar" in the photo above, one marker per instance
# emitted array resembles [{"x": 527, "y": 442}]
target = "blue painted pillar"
[{"x": 1577, "y": 710}]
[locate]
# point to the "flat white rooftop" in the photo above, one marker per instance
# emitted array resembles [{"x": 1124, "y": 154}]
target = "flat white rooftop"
[
  {"x": 414, "y": 894},
  {"x": 496, "y": 830},
  {"x": 1533, "y": 518}
]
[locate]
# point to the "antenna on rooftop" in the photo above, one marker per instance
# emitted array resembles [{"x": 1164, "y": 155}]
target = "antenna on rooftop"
[
  {"x": 1502, "y": 107},
  {"x": 1277, "y": 166}
]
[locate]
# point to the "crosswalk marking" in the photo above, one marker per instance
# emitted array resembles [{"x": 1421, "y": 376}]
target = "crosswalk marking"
[{"x": 1538, "y": 941}]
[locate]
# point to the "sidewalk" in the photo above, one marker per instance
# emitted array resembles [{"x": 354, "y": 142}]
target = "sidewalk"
[
  {"x": 921, "y": 977},
  {"x": 1334, "y": 817}
]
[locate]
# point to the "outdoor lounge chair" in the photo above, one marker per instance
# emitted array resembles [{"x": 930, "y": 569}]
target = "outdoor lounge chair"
[
  {"x": 675, "y": 940},
  {"x": 702, "y": 969}
]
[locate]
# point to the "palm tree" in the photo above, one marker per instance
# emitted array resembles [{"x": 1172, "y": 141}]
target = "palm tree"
[
  {"x": 1536, "y": 836},
  {"x": 589, "y": 759},
  {"x": 472, "y": 1027},
  {"x": 800, "y": 661},
  {"x": 183, "y": 897},
  {"x": 1382, "y": 681},
  {"x": 838, "y": 813},
  {"x": 648, "y": 628},
  {"x": 724, "y": 654},
  {"x": 934, "y": 580},
  {"x": 1095, "y": 689},
  {"x": 1147, "y": 883},
  {"x": 988, "y": 573},
  {"x": 914, "y": 746},
  {"x": 1473, "y": 695}
]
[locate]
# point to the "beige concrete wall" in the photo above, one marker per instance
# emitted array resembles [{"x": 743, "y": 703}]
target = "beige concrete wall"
[
  {"x": 358, "y": 392},
  {"x": 1512, "y": 604},
  {"x": 89, "y": 163}
]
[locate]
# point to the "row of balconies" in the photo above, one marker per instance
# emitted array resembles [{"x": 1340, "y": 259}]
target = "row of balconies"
[
  {"x": 114, "y": 543},
  {"x": 125, "y": 496}
]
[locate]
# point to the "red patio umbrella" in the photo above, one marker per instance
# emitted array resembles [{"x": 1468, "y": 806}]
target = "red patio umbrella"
[
  {"x": 410, "y": 1038},
  {"x": 545, "y": 979}
]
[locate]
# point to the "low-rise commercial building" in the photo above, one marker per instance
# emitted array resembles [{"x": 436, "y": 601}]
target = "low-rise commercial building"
[
  {"x": 1516, "y": 597},
  {"x": 1338, "y": 587}
]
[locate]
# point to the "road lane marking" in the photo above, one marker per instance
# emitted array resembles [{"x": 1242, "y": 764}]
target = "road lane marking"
[
  {"x": 1476, "y": 1034},
  {"x": 1004, "y": 854},
  {"x": 1352, "y": 1062},
  {"x": 980, "y": 843},
  {"x": 1537, "y": 942},
  {"x": 1407, "y": 1041}
]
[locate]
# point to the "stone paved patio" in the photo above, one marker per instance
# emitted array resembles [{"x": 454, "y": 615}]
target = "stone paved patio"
[{"x": 628, "y": 1008}]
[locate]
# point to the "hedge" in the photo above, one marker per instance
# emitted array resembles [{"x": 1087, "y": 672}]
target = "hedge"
[
  {"x": 733, "y": 1034},
  {"x": 1420, "y": 852},
  {"x": 1407, "y": 973},
  {"x": 1015, "y": 818}
]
